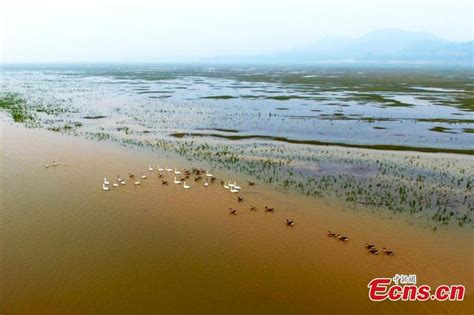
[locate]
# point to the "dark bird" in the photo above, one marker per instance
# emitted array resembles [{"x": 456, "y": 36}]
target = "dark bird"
[
  {"x": 387, "y": 252},
  {"x": 164, "y": 182},
  {"x": 131, "y": 175},
  {"x": 213, "y": 179},
  {"x": 252, "y": 208},
  {"x": 240, "y": 199},
  {"x": 290, "y": 222},
  {"x": 373, "y": 251},
  {"x": 251, "y": 183},
  {"x": 330, "y": 234},
  {"x": 369, "y": 246},
  {"x": 269, "y": 209},
  {"x": 160, "y": 176},
  {"x": 233, "y": 211},
  {"x": 342, "y": 238}
]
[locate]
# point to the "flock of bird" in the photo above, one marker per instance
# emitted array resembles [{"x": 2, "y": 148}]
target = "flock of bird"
[
  {"x": 200, "y": 174},
  {"x": 54, "y": 163},
  {"x": 179, "y": 178},
  {"x": 370, "y": 247}
]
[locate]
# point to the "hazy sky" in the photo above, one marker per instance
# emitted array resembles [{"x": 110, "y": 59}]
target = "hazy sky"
[{"x": 145, "y": 30}]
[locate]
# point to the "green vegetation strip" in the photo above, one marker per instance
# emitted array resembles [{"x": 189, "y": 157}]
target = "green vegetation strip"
[
  {"x": 388, "y": 147},
  {"x": 16, "y": 106}
]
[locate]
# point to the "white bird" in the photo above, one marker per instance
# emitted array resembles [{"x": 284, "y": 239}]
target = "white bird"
[
  {"x": 55, "y": 163},
  {"x": 143, "y": 176},
  {"x": 235, "y": 186},
  {"x": 159, "y": 169},
  {"x": 106, "y": 182},
  {"x": 177, "y": 172},
  {"x": 230, "y": 185},
  {"x": 168, "y": 169},
  {"x": 122, "y": 182},
  {"x": 226, "y": 186},
  {"x": 186, "y": 186},
  {"x": 105, "y": 187},
  {"x": 150, "y": 168},
  {"x": 115, "y": 185},
  {"x": 119, "y": 179},
  {"x": 176, "y": 181},
  {"x": 46, "y": 165},
  {"x": 234, "y": 190},
  {"x": 137, "y": 182},
  {"x": 209, "y": 174},
  {"x": 206, "y": 184}
]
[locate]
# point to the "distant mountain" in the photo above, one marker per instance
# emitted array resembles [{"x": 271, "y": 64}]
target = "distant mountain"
[{"x": 381, "y": 46}]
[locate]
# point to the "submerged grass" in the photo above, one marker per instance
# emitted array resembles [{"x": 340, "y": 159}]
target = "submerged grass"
[
  {"x": 387, "y": 147},
  {"x": 16, "y": 106}
]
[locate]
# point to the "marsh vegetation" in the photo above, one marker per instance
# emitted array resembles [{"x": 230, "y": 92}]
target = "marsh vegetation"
[{"x": 300, "y": 129}]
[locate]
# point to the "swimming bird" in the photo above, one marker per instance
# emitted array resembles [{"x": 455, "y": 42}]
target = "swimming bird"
[
  {"x": 115, "y": 185},
  {"x": 342, "y": 238},
  {"x": 46, "y": 165},
  {"x": 186, "y": 186},
  {"x": 209, "y": 174},
  {"x": 177, "y": 172},
  {"x": 269, "y": 209},
  {"x": 106, "y": 182},
  {"x": 168, "y": 169},
  {"x": 131, "y": 175},
  {"x": 213, "y": 179},
  {"x": 122, "y": 182},
  {"x": 55, "y": 163},
  {"x": 387, "y": 252},
  {"x": 105, "y": 187},
  {"x": 119, "y": 179},
  {"x": 137, "y": 182},
  {"x": 159, "y": 169},
  {"x": 236, "y": 187},
  {"x": 290, "y": 222},
  {"x": 330, "y": 234},
  {"x": 164, "y": 182},
  {"x": 240, "y": 199},
  {"x": 177, "y": 181},
  {"x": 251, "y": 183},
  {"x": 233, "y": 190},
  {"x": 252, "y": 208},
  {"x": 373, "y": 251},
  {"x": 143, "y": 176},
  {"x": 206, "y": 184},
  {"x": 160, "y": 175},
  {"x": 233, "y": 211},
  {"x": 150, "y": 168},
  {"x": 226, "y": 186},
  {"x": 369, "y": 246}
]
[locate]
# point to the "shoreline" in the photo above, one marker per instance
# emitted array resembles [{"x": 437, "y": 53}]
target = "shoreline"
[{"x": 194, "y": 231}]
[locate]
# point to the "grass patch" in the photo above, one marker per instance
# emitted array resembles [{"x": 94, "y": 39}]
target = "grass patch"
[
  {"x": 16, "y": 106},
  {"x": 441, "y": 129},
  {"x": 387, "y": 147},
  {"x": 218, "y": 97},
  {"x": 94, "y": 117}
]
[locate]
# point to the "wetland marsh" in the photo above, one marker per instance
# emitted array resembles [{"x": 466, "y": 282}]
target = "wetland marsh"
[
  {"x": 298, "y": 128},
  {"x": 381, "y": 155}
]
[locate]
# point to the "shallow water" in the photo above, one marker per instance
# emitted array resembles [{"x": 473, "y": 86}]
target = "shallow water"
[
  {"x": 330, "y": 105},
  {"x": 69, "y": 247}
]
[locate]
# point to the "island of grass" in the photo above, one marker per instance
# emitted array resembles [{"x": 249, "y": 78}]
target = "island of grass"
[{"x": 16, "y": 106}]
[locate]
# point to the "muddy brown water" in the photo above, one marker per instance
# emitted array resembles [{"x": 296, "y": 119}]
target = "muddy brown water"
[{"x": 69, "y": 247}]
